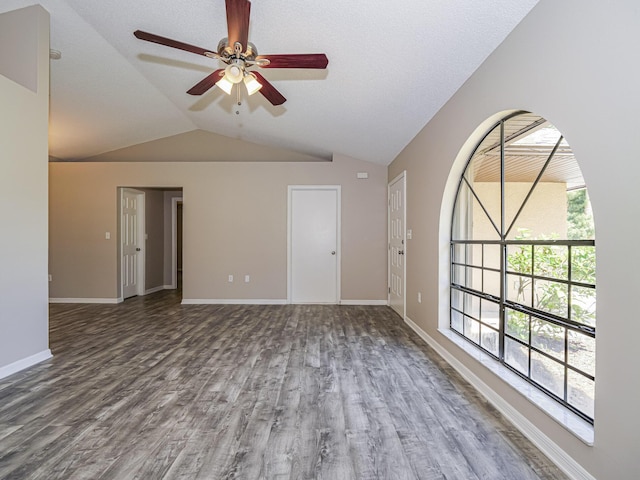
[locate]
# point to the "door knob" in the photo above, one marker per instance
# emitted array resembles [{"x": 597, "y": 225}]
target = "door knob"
[
  {"x": 400, "y": 252},
  {"x": 137, "y": 249},
  {"x": 333, "y": 252}
]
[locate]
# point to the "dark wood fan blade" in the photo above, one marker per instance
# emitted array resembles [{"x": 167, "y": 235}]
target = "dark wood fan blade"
[
  {"x": 238, "y": 12},
  {"x": 269, "y": 91},
  {"x": 206, "y": 83},
  {"x": 296, "y": 60},
  {"x": 150, "y": 37}
]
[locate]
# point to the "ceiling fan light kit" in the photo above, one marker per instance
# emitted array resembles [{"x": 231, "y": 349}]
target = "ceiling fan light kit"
[
  {"x": 251, "y": 83},
  {"x": 225, "y": 85},
  {"x": 239, "y": 55}
]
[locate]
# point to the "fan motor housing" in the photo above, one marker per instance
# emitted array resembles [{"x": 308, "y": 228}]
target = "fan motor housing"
[{"x": 227, "y": 51}]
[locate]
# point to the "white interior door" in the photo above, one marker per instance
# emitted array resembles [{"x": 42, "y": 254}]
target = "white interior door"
[
  {"x": 131, "y": 243},
  {"x": 397, "y": 244},
  {"x": 314, "y": 239}
]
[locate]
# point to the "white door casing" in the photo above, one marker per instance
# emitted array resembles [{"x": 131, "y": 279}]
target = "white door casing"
[
  {"x": 174, "y": 241},
  {"x": 132, "y": 242},
  {"x": 397, "y": 244},
  {"x": 314, "y": 244}
]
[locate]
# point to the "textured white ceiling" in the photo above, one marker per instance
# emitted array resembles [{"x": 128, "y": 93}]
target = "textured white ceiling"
[{"x": 392, "y": 65}]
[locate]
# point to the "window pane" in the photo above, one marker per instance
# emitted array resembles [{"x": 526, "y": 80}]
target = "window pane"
[
  {"x": 462, "y": 275},
  {"x": 583, "y": 264},
  {"x": 472, "y": 305},
  {"x": 519, "y": 258},
  {"x": 461, "y": 228},
  {"x": 581, "y": 392},
  {"x": 483, "y": 174},
  {"x": 551, "y": 297},
  {"x": 579, "y": 215},
  {"x": 517, "y": 324},
  {"x": 582, "y": 352},
  {"x": 460, "y": 253},
  {"x": 519, "y": 289},
  {"x": 475, "y": 254},
  {"x": 456, "y": 321},
  {"x": 548, "y": 373},
  {"x": 491, "y": 283},
  {"x": 514, "y": 194},
  {"x": 544, "y": 214},
  {"x": 470, "y": 220},
  {"x": 516, "y": 355},
  {"x": 469, "y": 254},
  {"x": 469, "y": 277},
  {"x": 476, "y": 279},
  {"x": 583, "y": 305},
  {"x": 490, "y": 340},
  {"x": 456, "y": 299},
  {"x": 548, "y": 337},
  {"x": 492, "y": 256},
  {"x": 472, "y": 330},
  {"x": 551, "y": 261},
  {"x": 490, "y": 313}
]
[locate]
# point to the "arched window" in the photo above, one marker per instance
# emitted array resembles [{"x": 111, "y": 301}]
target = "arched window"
[{"x": 523, "y": 283}]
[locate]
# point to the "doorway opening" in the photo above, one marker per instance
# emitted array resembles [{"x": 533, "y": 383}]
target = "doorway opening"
[
  {"x": 176, "y": 242},
  {"x": 150, "y": 255}
]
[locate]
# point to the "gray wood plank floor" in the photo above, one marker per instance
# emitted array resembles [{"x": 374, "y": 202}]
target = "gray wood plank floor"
[{"x": 152, "y": 389}]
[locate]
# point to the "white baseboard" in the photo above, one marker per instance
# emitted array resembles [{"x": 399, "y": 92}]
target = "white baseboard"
[
  {"x": 85, "y": 300},
  {"x": 230, "y": 301},
  {"x": 558, "y": 456},
  {"x": 364, "y": 302},
  {"x": 24, "y": 363}
]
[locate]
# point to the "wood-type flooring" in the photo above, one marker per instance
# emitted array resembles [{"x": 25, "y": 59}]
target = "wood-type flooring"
[{"x": 151, "y": 389}]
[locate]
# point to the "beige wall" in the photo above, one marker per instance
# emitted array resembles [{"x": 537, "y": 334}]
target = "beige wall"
[
  {"x": 24, "y": 329},
  {"x": 235, "y": 223},
  {"x": 574, "y": 63}
]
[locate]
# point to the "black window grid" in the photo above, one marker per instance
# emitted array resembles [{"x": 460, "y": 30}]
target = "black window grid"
[
  {"x": 565, "y": 322},
  {"x": 478, "y": 269}
]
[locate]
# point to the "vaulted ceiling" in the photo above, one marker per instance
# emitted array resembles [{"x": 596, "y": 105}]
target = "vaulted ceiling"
[{"x": 392, "y": 65}]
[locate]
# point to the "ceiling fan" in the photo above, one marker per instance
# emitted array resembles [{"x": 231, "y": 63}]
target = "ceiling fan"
[{"x": 239, "y": 54}]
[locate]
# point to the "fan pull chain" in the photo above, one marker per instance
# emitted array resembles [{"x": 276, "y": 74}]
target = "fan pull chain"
[{"x": 238, "y": 99}]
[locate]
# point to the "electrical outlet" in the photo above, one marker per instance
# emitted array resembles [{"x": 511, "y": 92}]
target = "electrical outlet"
[
  {"x": 230, "y": 278},
  {"x": 247, "y": 278},
  {"x": 107, "y": 235}
]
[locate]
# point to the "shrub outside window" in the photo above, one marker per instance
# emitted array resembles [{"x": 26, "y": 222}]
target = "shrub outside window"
[{"x": 523, "y": 259}]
